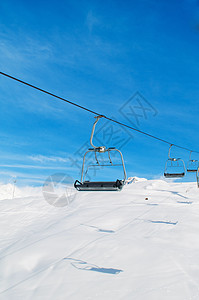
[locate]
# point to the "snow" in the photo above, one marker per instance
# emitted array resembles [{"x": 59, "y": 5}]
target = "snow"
[
  {"x": 103, "y": 245},
  {"x": 134, "y": 179}
]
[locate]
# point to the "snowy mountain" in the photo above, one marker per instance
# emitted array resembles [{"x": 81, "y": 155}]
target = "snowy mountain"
[{"x": 140, "y": 243}]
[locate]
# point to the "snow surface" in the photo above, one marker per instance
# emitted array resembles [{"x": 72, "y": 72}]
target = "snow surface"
[{"x": 140, "y": 243}]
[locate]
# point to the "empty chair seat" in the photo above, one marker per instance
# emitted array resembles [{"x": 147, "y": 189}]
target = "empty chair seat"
[
  {"x": 192, "y": 170},
  {"x": 174, "y": 175},
  {"x": 99, "y": 185}
]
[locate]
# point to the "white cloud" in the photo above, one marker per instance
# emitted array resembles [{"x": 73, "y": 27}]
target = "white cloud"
[
  {"x": 91, "y": 20},
  {"x": 42, "y": 158},
  {"x": 22, "y": 166}
]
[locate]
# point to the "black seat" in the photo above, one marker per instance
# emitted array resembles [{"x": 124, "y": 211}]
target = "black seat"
[
  {"x": 191, "y": 170},
  {"x": 99, "y": 185},
  {"x": 174, "y": 175}
]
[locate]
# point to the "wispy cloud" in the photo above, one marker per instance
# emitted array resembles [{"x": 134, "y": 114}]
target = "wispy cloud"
[
  {"x": 31, "y": 167},
  {"x": 91, "y": 20},
  {"x": 43, "y": 158},
  {"x": 23, "y": 50},
  {"x": 28, "y": 160}
]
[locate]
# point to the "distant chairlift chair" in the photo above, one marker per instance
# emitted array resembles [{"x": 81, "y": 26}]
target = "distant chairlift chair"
[
  {"x": 192, "y": 165},
  {"x": 197, "y": 177},
  {"x": 100, "y": 185},
  {"x": 175, "y": 167}
]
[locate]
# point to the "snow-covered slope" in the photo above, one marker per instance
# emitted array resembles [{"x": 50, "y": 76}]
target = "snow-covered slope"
[{"x": 141, "y": 243}]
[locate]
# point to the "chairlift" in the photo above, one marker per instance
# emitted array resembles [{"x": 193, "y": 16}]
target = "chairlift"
[
  {"x": 175, "y": 167},
  {"x": 116, "y": 185},
  {"x": 192, "y": 165},
  {"x": 197, "y": 177}
]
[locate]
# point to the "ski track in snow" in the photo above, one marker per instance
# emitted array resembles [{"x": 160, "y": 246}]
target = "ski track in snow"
[{"x": 108, "y": 245}]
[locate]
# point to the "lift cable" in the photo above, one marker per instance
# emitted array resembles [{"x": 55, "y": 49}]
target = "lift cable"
[{"x": 95, "y": 113}]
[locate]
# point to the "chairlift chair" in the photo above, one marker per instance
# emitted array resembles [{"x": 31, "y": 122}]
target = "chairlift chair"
[
  {"x": 84, "y": 185},
  {"x": 192, "y": 165},
  {"x": 197, "y": 177},
  {"x": 174, "y": 167}
]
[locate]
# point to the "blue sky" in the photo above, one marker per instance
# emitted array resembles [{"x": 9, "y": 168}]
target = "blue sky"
[{"x": 100, "y": 54}]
